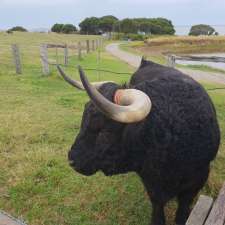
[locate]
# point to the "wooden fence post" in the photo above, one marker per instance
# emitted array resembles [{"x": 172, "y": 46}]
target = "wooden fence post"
[
  {"x": 79, "y": 47},
  {"x": 57, "y": 55},
  {"x": 100, "y": 43},
  {"x": 66, "y": 55},
  {"x": 96, "y": 44},
  {"x": 44, "y": 59},
  {"x": 16, "y": 58},
  {"x": 88, "y": 46},
  {"x": 171, "y": 60},
  {"x": 93, "y": 45}
]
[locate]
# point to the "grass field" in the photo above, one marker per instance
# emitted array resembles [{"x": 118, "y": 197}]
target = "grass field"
[
  {"x": 187, "y": 44},
  {"x": 40, "y": 117}
]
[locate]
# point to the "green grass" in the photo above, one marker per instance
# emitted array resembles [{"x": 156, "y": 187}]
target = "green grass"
[{"x": 40, "y": 117}]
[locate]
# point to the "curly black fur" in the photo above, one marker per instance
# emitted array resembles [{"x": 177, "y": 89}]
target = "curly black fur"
[{"x": 170, "y": 149}]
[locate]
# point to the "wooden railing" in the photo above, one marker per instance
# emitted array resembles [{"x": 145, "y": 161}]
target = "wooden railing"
[{"x": 207, "y": 212}]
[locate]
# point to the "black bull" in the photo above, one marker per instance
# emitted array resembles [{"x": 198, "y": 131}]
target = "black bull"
[{"x": 170, "y": 149}]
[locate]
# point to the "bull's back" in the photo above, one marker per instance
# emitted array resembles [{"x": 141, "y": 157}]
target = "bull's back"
[{"x": 182, "y": 121}]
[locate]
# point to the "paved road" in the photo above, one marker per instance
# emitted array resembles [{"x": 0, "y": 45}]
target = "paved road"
[
  {"x": 135, "y": 60},
  {"x": 127, "y": 57}
]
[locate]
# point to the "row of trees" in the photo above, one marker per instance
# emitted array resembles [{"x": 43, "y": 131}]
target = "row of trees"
[
  {"x": 94, "y": 25},
  {"x": 108, "y": 24}
]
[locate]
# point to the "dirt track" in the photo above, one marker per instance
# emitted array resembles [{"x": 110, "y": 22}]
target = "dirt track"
[{"x": 135, "y": 60}]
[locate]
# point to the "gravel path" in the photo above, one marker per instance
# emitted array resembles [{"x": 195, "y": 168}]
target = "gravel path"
[{"x": 135, "y": 60}]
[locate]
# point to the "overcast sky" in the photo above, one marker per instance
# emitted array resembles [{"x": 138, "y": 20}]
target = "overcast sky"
[{"x": 43, "y": 13}]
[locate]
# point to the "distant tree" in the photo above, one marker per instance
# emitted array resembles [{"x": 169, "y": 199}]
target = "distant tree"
[
  {"x": 68, "y": 29},
  {"x": 90, "y": 26},
  {"x": 201, "y": 29},
  {"x": 57, "y": 28},
  {"x": 17, "y": 28},
  {"x": 128, "y": 26},
  {"x": 106, "y": 23}
]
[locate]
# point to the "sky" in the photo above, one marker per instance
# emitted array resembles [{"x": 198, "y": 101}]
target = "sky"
[{"x": 44, "y": 13}]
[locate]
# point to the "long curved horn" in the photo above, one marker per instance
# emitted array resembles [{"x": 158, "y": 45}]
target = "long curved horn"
[
  {"x": 132, "y": 105},
  {"x": 78, "y": 84},
  {"x": 74, "y": 83}
]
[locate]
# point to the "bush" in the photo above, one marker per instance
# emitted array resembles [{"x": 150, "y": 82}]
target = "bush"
[
  {"x": 17, "y": 28},
  {"x": 135, "y": 37},
  {"x": 201, "y": 29},
  {"x": 130, "y": 36}
]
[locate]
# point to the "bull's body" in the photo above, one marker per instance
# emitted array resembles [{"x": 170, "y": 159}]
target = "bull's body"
[{"x": 170, "y": 149}]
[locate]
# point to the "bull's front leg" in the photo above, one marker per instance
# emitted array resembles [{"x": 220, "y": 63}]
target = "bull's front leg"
[{"x": 158, "y": 217}]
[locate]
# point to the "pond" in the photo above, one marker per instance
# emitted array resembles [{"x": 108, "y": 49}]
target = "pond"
[{"x": 211, "y": 64}]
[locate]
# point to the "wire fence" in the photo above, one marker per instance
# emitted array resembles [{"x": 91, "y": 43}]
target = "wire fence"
[{"x": 20, "y": 58}]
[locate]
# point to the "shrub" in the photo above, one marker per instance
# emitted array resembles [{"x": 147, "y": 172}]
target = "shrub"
[
  {"x": 17, "y": 28},
  {"x": 135, "y": 37},
  {"x": 201, "y": 29},
  {"x": 130, "y": 36}
]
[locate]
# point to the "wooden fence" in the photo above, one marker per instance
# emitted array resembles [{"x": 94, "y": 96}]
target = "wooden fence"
[
  {"x": 80, "y": 48},
  {"x": 171, "y": 59}
]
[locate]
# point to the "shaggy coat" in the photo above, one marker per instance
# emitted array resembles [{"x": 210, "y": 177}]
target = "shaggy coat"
[{"x": 171, "y": 149}]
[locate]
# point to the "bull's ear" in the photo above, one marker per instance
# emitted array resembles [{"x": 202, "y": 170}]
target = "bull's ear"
[{"x": 144, "y": 62}]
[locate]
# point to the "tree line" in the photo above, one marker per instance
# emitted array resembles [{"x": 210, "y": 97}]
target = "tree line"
[
  {"x": 108, "y": 24},
  {"x": 135, "y": 28}
]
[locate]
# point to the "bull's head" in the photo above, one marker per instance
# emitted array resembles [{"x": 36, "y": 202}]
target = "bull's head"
[{"x": 99, "y": 145}]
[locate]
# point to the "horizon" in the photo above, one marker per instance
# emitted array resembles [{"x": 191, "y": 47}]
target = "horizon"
[{"x": 179, "y": 29}]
